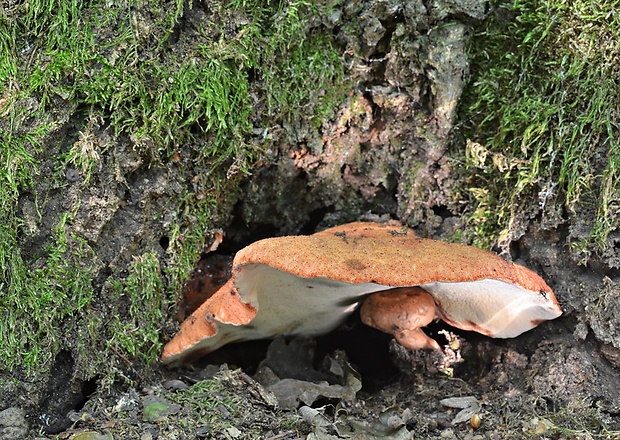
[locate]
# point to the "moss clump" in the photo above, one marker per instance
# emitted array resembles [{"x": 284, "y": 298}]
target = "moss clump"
[
  {"x": 232, "y": 400},
  {"x": 39, "y": 304},
  {"x": 580, "y": 419},
  {"x": 143, "y": 296},
  {"x": 150, "y": 78},
  {"x": 541, "y": 114},
  {"x": 312, "y": 59}
]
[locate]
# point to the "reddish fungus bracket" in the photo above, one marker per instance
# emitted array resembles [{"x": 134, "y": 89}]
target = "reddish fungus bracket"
[{"x": 308, "y": 285}]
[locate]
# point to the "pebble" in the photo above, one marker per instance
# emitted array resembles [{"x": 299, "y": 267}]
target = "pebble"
[
  {"x": 233, "y": 432},
  {"x": 13, "y": 424},
  {"x": 72, "y": 175},
  {"x": 175, "y": 384}
]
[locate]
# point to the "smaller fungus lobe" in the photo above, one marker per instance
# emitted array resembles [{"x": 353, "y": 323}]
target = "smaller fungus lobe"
[{"x": 401, "y": 312}]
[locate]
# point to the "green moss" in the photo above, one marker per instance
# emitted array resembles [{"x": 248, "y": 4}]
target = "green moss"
[
  {"x": 232, "y": 400},
  {"x": 542, "y": 110},
  {"x": 310, "y": 59},
  {"x": 278, "y": 47},
  {"x": 40, "y": 305},
  {"x": 204, "y": 397},
  {"x": 137, "y": 72},
  {"x": 144, "y": 302},
  {"x": 580, "y": 419},
  {"x": 190, "y": 235}
]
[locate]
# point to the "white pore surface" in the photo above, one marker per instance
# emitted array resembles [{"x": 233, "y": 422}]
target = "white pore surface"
[
  {"x": 290, "y": 305},
  {"x": 502, "y": 309}
]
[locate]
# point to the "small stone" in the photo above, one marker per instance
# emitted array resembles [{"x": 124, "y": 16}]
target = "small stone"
[
  {"x": 13, "y": 424},
  {"x": 581, "y": 331},
  {"x": 447, "y": 434},
  {"x": 233, "y": 432},
  {"x": 612, "y": 354},
  {"x": 203, "y": 431},
  {"x": 72, "y": 175},
  {"x": 175, "y": 384},
  {"x": 224, "y": 411}
]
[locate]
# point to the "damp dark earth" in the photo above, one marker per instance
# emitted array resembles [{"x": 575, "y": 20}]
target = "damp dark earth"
[{"x": 144, "y": 143}]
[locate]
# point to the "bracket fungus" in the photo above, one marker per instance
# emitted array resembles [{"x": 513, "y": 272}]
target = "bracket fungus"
[{"x": 308, "y": 285}]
